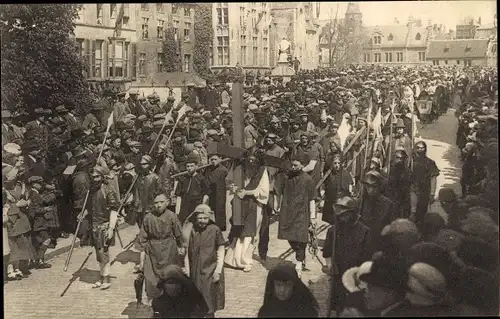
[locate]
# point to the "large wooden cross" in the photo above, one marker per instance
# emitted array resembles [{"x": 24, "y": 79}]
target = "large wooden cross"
[{"x": 238, "y": 152}]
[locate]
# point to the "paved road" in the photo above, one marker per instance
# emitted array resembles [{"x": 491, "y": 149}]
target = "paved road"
[{"x": 39, "y": 295}]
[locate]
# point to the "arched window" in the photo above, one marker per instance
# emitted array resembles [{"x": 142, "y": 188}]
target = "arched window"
[
  {"x": 418, "y": 37},
  {"x": 390, "y": 37},
  {"x": 494, "y": 49}
]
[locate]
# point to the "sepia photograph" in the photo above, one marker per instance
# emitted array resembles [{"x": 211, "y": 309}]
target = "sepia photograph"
[{"x": 250, "y": 159}]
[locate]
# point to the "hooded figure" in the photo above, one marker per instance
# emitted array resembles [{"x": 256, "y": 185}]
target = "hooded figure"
[
  {"x": 286, "y": 296},
  {"x": 205, "y": 256},
  {"x": 179, "y": 296}
]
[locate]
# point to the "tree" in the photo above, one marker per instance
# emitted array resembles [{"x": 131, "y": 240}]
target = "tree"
[
  {"x": 171, "y": 52},
  {"x": 40, "y": 65},
  {"x": 203, "y": 35}
]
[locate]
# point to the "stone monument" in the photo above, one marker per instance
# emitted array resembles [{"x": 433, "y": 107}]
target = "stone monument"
[{"x": 283, "y": 69}]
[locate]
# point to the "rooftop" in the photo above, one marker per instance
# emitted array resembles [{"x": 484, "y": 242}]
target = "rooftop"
[{"x": 457, "y": 49}]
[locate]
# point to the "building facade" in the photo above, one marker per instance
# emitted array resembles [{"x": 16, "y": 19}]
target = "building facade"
[
  {"x": 464, "y": 52},
  {"x": 153, "y": 19},
  {"x": 241, "y": 35},
  {"x": 398, "y": 44},
  {"x": 298, "y": 23},
  {"x": 109, "y": 55},
  {"x": 123, "y": 42}
]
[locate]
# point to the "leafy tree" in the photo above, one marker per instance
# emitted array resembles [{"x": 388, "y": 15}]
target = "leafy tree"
[
  {"x": 171, "y": 52},
  {"x": 40, "y": 64},
  {"x": 203, "y": 35}
]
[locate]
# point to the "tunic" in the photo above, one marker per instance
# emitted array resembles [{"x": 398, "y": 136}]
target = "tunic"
[
  {"x": 191, "y": 189},
  {"x": 202, "y": 254},
  {"x": 332, "y": 190},
  {"x": 294, "y": 216},
  {"x": 217, "y": 197},
  {"x": 376, "y": 214},
  {"x": 398, "y": 190},
  {"x": 168, "y": 168},
  {"x": 423, "y": 170},
  {"x": 313, "y": 154},
  {"x": 159, "y": 236}
]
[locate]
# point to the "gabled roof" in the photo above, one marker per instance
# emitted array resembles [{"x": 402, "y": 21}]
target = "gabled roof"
[
  {"x": 412, "y": 37},
  {"x": 456, "y": 49},
  {"x": 398, "y": 32}
]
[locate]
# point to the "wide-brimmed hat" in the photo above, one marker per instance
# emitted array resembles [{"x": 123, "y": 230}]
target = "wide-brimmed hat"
[{"x": 350, "y": 278}]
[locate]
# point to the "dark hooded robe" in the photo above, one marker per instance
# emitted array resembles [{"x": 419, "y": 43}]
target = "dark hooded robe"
[
  {"x": 216, "y": 177},
  {"x": 191, "y": 189},
  {"x": 188, "y": 304},
  {"x": 301, "y": 303},
  {"x": 202, "y": 255}
]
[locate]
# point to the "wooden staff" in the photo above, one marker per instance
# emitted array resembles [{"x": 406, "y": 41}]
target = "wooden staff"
[
  {"x": 390, "y": 140},
  {"x": 200, "y": 167}
]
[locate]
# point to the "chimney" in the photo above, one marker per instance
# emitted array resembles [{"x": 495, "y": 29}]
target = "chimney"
[{"x": 411, "y": 21}]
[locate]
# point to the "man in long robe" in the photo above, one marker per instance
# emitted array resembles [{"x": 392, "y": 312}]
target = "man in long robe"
[
  {"x": 216, "y": 176},
  {"x": 254, "y": 197},
  {"x": 160, "y": 237},
  {"x": 192, "y": 190},
  {"x": 145, "y": 189},
  {"x": 399, "y": 183},
  {"x": 204, "y": 261},
  {"x": 298, "y": 209}
]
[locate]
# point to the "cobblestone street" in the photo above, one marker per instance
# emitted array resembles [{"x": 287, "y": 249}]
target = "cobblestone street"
[{"x": 39, "y": 296}]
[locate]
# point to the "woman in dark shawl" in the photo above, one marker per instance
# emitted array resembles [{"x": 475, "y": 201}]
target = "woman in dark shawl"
[
  {"x": 286, "y": 296},
  {"x": 179, "y": 296}
]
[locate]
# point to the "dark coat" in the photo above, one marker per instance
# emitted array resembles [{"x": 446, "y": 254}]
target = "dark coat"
[
  {"x": 217, "y": 197},
  {"x": 376, "y": 214}
]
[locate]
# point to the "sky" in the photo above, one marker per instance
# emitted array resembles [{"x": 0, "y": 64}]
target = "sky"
[{"x": 448, "y": 13}]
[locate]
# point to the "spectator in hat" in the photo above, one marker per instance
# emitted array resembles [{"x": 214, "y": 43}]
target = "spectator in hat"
[
  {"x": 250, "y": 132},
  {"x": 398, "y": 237},
  {"x": 119, "y": 108},
  {"x": 376, "y": 209},
  {"x": 192, "y": 190},
  {"x": 134, "y": 156},
  {"x": 43, "y": 211},
  {"x": 80, "y": 187},
  {"x": 351, "y": 239}
]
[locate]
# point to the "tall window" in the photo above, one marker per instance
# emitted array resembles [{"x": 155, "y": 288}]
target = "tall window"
[
  {"x": 98, "y": 58},
  {"x": 265, "y": 51},
  {"x": 145, "y": 22},
  {"x": 222, "y": 16},
  {"x": 243, "y": 50},
  {"x": 211, "y": 55},
  {"x": 445, "y": 61},
  {"x": 187, "y": 30},
  {"x": 159, "y": 7},
  {"x": 116, "y": 63},
  {"x": 142, "y": 64},
  {"x": 187, "y": 60},
  {"x": 421, "y": 56},
  {"x": 223, "y": 50},
  {"x": 366, "y": 58},
  {"x": 99, "y": 13},
  {"x": 399, "y": 56},
  {"x": 242, "y": 16},
  {"x": 159, "y": 62},
  {"x": 125, "y": 22},
  {"x": 255, "y": 55},
  {"x": 112, "y": 10},
  {"x": 176, "y": 29},
  {"x": 144, "y": 6},
  {"x": 458, "y": 61},
  {"x": 377, "y": 39},
  {"x": 160, "y": 31},
  {"x": 377, "y": 57},
  {"x": 254, "y": 18},
  {"x": 388, "y": 57},
  {"x": 125, "y": 59},
  {"x": 187, "y": 12},
  {"x": 80, "y": 47}
]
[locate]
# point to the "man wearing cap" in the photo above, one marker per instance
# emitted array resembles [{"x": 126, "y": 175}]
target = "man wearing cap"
[
  {"x": 376, "y": 209},
  {"x": 305, "y": 148},
  {"x": 132, "y": 102},
  {"x": 192, "y": 190},
  {"x": 167, "y": 168},
  {"x": 102, "y": 209},
  {"x": 399, "y": 140},
  {"x": 298, "y": 208},
  {"x": 80, "y": 186},
  {"x": 352, "y": 240},
  {"x": 250, "y": 132},
  {"x": 146, "y": 188},
  {"x": 43, "y": 213},
  {"x": 134, "y": 156}
]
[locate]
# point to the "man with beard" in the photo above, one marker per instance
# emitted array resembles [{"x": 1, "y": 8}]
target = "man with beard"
[
  {"x": 272, "y": 149},
  {"x": 43, "y": 213},
  {"x": 102, "y": 208},
  {"x": 298, "y": 208},
  {"x": 254, "y": 197},
  {"x": 216, "y": 177},
  {"x": 204, "y": 262},
  {"x": 192, "y": 190},
  {"x": 376, "y": 209},
  {"x": 424, "y": 179},
  {"x": 399, "y": 140},
  {"x": 352, "y": 241},
  {"x": 399, "y": 183},
  {"x": 160, "y": 240},
  {"x": 339, "y": 183},
  {"x": 145, "y": 189}
]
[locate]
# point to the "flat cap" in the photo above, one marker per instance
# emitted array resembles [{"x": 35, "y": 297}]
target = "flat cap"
[
  {"x": 35, "y": 179},
  {"x": 134, "y": 144},
  {"x": 12, "y": 148}
]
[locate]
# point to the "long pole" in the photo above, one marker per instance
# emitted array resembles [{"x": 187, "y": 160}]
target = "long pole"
[
  {"x": 389, "y": 154},
  {"x": 368, "y": 123}
]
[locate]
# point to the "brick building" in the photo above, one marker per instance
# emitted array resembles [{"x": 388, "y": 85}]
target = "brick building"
[
  {"x": 109, "y": 55},
  {"x": 241, "y": 35}
]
